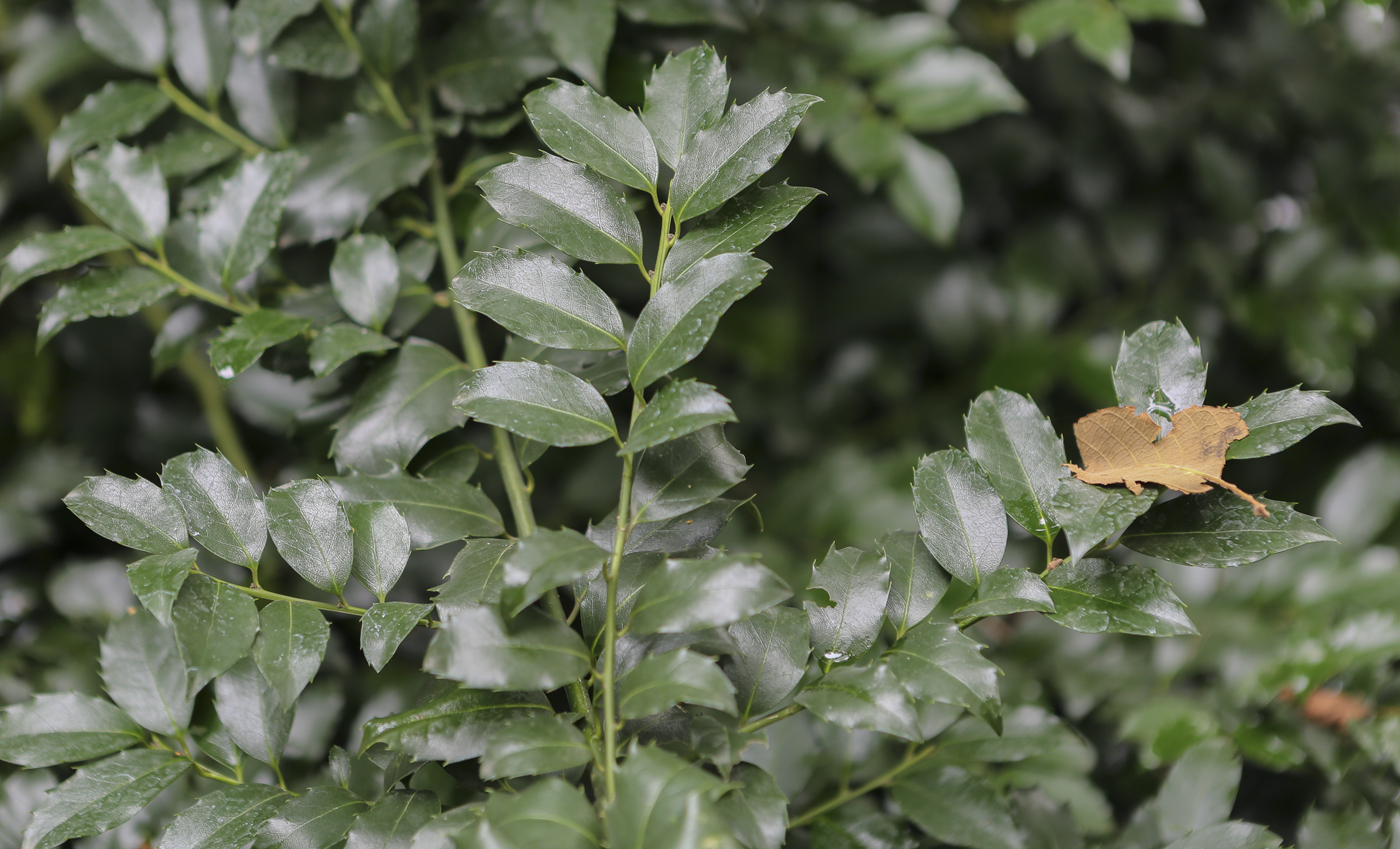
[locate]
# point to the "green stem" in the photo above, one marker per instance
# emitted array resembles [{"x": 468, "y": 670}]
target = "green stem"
[
  {"x": 212, "y": 401},
  {"x": 667, "y": 238},
  {"x": 268, "y": 595},
  {"x": 190, "y": 288},
  {"x": 382, "y": 86},
  {"x": 185, "y": 104},
  {"x": 624, "y": 528},
  {"x": 883, "y": 780},
  {"x": 771, "y": 718}
]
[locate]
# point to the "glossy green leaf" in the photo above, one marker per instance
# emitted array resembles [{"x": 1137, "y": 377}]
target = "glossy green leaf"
[
  {"x": 487, "y": 59},
  {"x": 539, "y": 402},
  {"x": 1219, "y": 530},
  {"x": 457, "y": 462},
  {"x": 135, "y": 513},
  {"x": 740, "y": 225},
  {"x": 678, "y": 321},
  {"x": 437, "y": 510},
  {"x": 404, "y": 402},
  {"x": 338, "y": 344},
  {"x": 585, "y": 127},
  {"x": 534, "y": 651},
  {"x": 388, "y": 33},
  {"x": 393, "y": 820},
  {"x": 579, "y": 33},
  {"x": 572, "y": 207},
  {"x": 119, "y": 109},
  {"x": 685, "y": 94},
  {"x": 1095, "y": 596},
  {"x": 385, "y": 626},
  {"x": 1277, "y": 420},
  {"x": 1230, "y": 835},
  {"x": 157, "y": 580},
  {"x": 256, "y": 23},
  {"x": 225, "y": 819},
  {"x": 690, "y": 595},
  {"x": 263, "y": 97},
  {"x": 1200, "y": 789},
  {"x": 550, "y": 812},
  {"x": 455, "y": 725},
  {"x": 943, "y": 88},
  {"x": 238, "y": 229},
  {"x": 676, "y": 477},
  {"x": 662, "y": 681},
  {"x": 541, "y": 299},
  {"x": 756, "y": 809},
  {"x": 381, "y": 545},
  {"x": 1008, "y": 591},
  {"x": 200, "y": 44},
  {"x": 47, "y": 252},
  {"x": 685, "y": 535},
  {"x": 444, "y": 830},
  {"x": 1022, "y": 455},
  {"x": 120, "y": 291},
  {"x": 124, "y": 186},
  {"x": 544, "y": 560},
  {"x": 20, "y": 795},
  {"x": 682, "y": 407},
  {"x": 1100, "y": 32},
  {"x": 214, "y": 626},
  {"x": 102, "y": 795},
  {"x": 962, "y": 520},
  {"x": 131, "y": 33},
  {"x": 771, "y": 660},
  {"x": 926, "y": 191},
  {"x": 1160, "y": 371},
  {"x": 863, "y": 697},
  {"x": 143, "y": 673},
  {"x": 359, "y": 163},
  {"x": 939, "y": 663},
  {"x": 365, "y": 279},
  {"x": 291, "y": 643},
  {"x": 475, "y": 577},
  {"x": 664, "y": 802},
  {"x": 1091, "y": 514},
  {"x": 857, "y": 585},
  {"x": 64, "y": 728},
  {"x": 726, "y": 156},
  {"x": 958, "y": 808},
  {"x": 318, "y": 819},
  {"x": 252, "y": 712},
  {"x": 313, "y": 46},
  {"x": 1179, "y": 11},
  {"x": 312, "y": 533},
  {"x": 606, "y": 370},
  {"x": 534, "y": 744},
  {"x": 917, "y": 582},
  {"x": 1029, "y": 732},
  {"x": 223, "y": 513}
]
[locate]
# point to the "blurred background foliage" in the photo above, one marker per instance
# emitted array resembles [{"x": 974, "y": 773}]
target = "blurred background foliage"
[{"x": 1234, "y": 164}]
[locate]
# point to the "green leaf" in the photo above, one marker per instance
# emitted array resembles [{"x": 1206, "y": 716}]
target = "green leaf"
[
  {"x": 863, "y": 697},
  {"x": 727, "y": 155},
  {"x": 20, "y": 795},
  {"x": 857, "y": 583},
  {"x": 690, "y": 595},
  {"x": 544, "y": 560},
  {"x": 313, "y": 46},
  {"x": 135, "y": 513},
  {"x": 214, "y": 625},
  {"x": 587, "y": 128},
  {"x": 570, "y": 206},
  {"x": 756, "y": 809},
  {"x": 1217, "y": 529},
  {"x": 926, "y": 191},
  {"x": 131, "y": 33},
  {"x": 739, "y": 226},
  {"x": 1230, "y": 835},
  {"x": 339, "y": 343},
  {"x": 385, "y": 626},
  {"x": 256, "y": 23},
  {"x": 662, "y": 681},
  {"x": 118, "y": 110},
  {"x": 943, "y": 88},
  {"x": 939, "y": 663},
  {"x": 312, "y": 533},
  {"x": 454, "y": 725},
  {"x": 1091, "y": 514},
  {"x": 1022, "y": 455},
  {"x": 475, "y": 576},
  {"x": 64, "y": 728},
  {"x": 318, "y": 819},
  {"x": 685, "y": 94},
  {"x": 959, "y": 808},
  {"x": 771, "y": 659},
  {"x": 1100, "y": 31},
  {"x": 404, "y": 402},
  {"x": 365, "y": 279},
  {"x": 102, "y": 795},
  {"x": 1095, "y": 596},
  {"x": 917, "y": 582},
  {"x": 1160, "y": 371},
  {"x": 477, "y": 647},
  {"x": 541, "y": 299},
  {"x": 444, "y": 830},
  {"x": 200, "y": 44},
  {"x": 291, "y": 643},
  {"x": 678, "y": 321},
  {"x": 124, "y": 186},
  {"x": 664, "y": 802},
  {"x": 1009, "y": 591},
  {"x": 579, "y": 33},
  {"x": 534, "y": 744},
  {"x": 539, "y": 402},
  {"x": 143, "y": 673},
  {"x": 437, "y": 510},
  {"x": 104, "y": 292},
  {"x": 238, "y": 229},
  {"x": 223, "y": 513},
  {"x": 1277, "y": 420},
  {"x": 1178, "y": 11},
  {"x": 263, "y": 97},
  {"x": 962, "y": 520},
  {"x": 381, "y": 545},
  {"x": 47, "y": 252},
  {"x": 678, "y": 476},
  {"x": 388, "y": 33},
  {"x": 395, "y": 818},
  {"x": 157, "y": 579},
  {"x": 225, "y": 819},
  {"x": 686, "y": 534},
  {"x": 487, "y": 59},
  {"x": 550, "y": 812},
  {"x": 1200, "y": 789},
  {"x": 359, "y": 163},
  {"x": 681, "y": 408},
  {"x": 243, "y": 342},
  {"x": 251, "y": 712}
]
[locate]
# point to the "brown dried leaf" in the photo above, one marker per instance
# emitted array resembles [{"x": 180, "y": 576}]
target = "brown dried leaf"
[
  {"x": 1335, "y": 709},
  {"x": 1120, "y": 445}
]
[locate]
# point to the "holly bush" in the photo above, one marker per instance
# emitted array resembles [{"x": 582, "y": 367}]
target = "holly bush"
[{"x": 311, "y": 209}]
